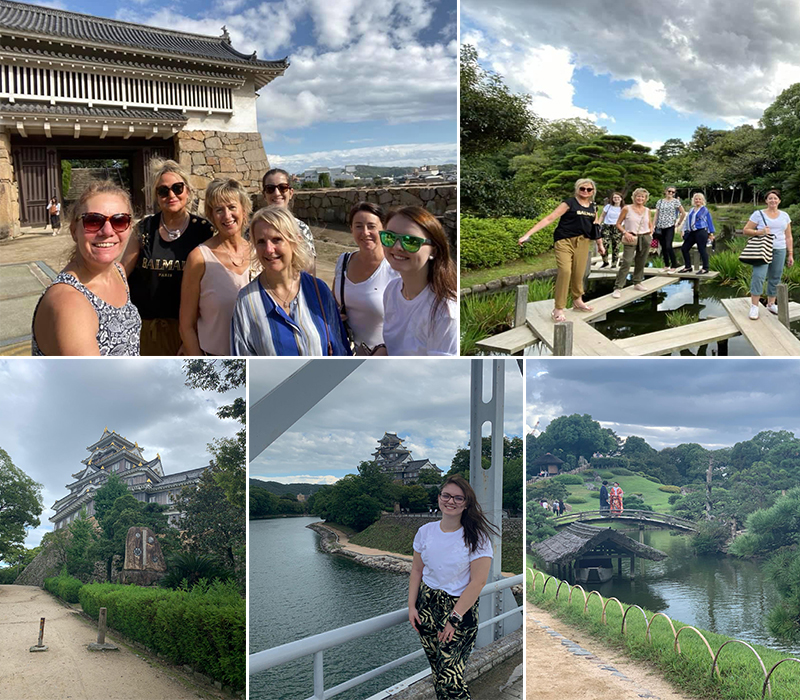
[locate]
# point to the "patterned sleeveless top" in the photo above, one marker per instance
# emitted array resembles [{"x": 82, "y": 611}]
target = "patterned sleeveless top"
[{"x": 118, "y": 329}]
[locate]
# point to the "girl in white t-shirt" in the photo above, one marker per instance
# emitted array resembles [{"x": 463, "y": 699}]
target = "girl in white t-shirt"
[
  {"x": 452, "y": 558},
  {"x": 360, "y": 278},
  {"x": 419, "y": 308},
  {"x": 770, "y": 221}
]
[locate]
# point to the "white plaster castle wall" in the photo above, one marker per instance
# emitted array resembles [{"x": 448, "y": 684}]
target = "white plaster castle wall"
[{"x": 243, "y": 120}]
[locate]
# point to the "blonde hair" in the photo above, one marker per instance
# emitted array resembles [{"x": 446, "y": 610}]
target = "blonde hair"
[
  {"x": 638, "y": 191},
  {"x": 160, "y": 167},
  {"x": 221, "y": 190},
  {"x": 585, "y": 181},
  {"x": 701, "y": 195},
  {"x": 93, "y": 189},
  {"x": 282, "y": 220}
]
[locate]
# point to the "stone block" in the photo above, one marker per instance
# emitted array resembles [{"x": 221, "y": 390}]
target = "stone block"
[
  {"x": 6, "y": 171},
  {"x": 192, "y": 145},
  {"x": 254, "y": 155},
  {"x": 227, "y": 165},
  {"x": 198, "y": 135},
  {"x": 198, "y": 158},
  {"x": 212, "y": 160},
  {"x": 199, "y": 182}
]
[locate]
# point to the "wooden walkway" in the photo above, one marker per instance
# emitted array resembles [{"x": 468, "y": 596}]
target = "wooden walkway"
[{"x": 767, "y": 335}]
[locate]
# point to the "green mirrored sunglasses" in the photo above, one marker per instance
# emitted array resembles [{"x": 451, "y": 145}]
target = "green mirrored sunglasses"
[{"x": 410, "y": 244}]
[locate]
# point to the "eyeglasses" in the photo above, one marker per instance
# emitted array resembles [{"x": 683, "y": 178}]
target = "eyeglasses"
[
  {"x": 450, "y": 497},
  {"x": 410, "y": 244},
  {"x": 94, "y": 221},
  {"x": 176, "y": 188},
  {"x": 586, "y": 189},
  {"x": 670, "y": 191},
  {"x": 284, "y": 187}
]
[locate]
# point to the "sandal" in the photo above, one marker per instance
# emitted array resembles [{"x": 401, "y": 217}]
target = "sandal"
[
  {"x": 582, "y": 307},
  {"x": 558, "y": 316}
]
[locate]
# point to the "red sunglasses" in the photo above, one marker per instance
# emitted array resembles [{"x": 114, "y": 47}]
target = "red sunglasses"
[{"x": 94, "y": 221}]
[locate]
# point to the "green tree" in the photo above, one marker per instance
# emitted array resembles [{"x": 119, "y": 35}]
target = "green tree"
[
  {"x": 573, "y": 436},
  {"x": 20, "y": 506},
  {"x": 324, "y": 179},
  {"x": 82, "y": 536},
  {"x": 491, "y": 115},
  {"x": 781, "y": 121},
  {"x": 107, "y": 494}
]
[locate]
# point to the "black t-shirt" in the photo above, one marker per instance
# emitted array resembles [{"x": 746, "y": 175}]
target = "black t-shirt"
[
  {"x": 576, "y": 221},
  {"x": 156, "y": 281}
]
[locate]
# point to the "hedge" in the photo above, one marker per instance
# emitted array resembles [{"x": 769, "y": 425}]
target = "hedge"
[
  {"x": 492, "y": 242},
  {"x": 670, "y": 489},
  {"x": 203, "y": 627},
  {"x": 65, "y": 587},
  {"x": 568, "y": 479}
]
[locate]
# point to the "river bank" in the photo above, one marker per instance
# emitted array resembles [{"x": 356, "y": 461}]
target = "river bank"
[{"x": 335, "y": 541}]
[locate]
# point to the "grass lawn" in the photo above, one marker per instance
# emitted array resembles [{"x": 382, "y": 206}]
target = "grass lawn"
[
  {"x": 545, "y": 261},
  {"x": 630, "y": 485}
]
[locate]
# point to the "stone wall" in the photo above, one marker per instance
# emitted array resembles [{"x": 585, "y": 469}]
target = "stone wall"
[
  {"x": 210, "y": 154},
  {"x": 9, "y": 192},
  {"x": 333, "y": 204}
]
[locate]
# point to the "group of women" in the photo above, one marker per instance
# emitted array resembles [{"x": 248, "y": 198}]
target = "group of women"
[
  {"x": 238, "y": 283},
  {"x": 634, "y": 228}
]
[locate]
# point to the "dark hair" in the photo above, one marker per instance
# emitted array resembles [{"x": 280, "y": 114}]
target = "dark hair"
[
  {"x": 605, "y": 483},
  {"x": 476, "y": 526},
  {"x": 775, "y": 192},
  {"x": 275, "y": 171},
  {"x": 368, "y": 207},
  {"x": 441, "y": 270}
]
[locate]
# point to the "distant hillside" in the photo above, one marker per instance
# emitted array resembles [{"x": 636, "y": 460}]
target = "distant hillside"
[
  {"x": 279, "y": 489},
  {"x": 371, "y": 171}
]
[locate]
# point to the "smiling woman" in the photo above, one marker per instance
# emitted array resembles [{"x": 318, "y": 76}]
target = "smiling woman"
[{"x": 87, "y": 310}]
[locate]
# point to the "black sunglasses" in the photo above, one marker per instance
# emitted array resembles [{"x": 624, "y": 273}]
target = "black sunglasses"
[
  {"x": 283, "y": 187},
  {"x": 94, "y": 221},
  {"x": 176, "y": 188}
]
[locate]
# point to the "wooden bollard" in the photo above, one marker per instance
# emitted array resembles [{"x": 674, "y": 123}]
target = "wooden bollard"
[
  {"x": 562, "y": 339},
  {"x": 521, "y": 305},
  {"x": 101, "y": 626},
  {"x": 40, "y": 646},
  {"x": 783, "y": 304}
]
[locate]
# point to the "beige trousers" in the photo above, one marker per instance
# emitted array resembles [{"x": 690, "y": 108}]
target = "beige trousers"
[{"x": 571, "y": 257}]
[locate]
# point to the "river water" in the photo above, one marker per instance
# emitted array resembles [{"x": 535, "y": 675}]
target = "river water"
[
  {"x": 296, "y": 590},
  {"x": 721, "y": 594}
]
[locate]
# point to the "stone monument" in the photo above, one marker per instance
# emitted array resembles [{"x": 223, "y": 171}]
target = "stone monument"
[{"x": 144, "y": 563}]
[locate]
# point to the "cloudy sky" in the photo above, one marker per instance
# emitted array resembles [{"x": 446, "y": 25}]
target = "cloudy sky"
[
  {"x": 425, "y": 402},
  {"x": 370, "y": 82},
  {"x": 54, "y": 409},
  {"x": 653, "y": 70},
  {"x": 715, "y": 403}
]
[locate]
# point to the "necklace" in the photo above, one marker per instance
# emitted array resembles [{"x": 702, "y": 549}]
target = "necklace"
[
  {"x": 174, "y": 234},
  {"x": 286, "y": 302},
  {"x": 233, "y": 260}
]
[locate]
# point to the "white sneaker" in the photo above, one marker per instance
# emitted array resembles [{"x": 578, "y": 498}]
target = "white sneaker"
[
  {"x": 616, "y": 294},
  {"x": 773, "y": 309},
  {"x": 639, "y": 287},
  {"x": 753, "y": 312}
]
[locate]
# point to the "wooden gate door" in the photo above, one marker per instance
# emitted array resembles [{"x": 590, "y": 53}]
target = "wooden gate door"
[{"x": 38, "y": 175}]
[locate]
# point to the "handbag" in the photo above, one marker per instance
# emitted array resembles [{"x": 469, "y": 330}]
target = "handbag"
[
  {"x": 350, "y": 336},
  {"x": 758, "y": 250}
]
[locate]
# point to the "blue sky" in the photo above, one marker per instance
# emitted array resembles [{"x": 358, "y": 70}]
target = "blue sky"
[
  {"x": 653, "y": 70},
  {"x": 371, "y": 81}
]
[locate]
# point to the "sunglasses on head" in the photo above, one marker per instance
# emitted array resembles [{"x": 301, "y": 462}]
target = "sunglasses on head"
[
  {"x": 284, "y": 187},
  {"x": 410, "y": 244},
  {"x": 176, "y": 188},
  {"x": 586, "y": 189},
  {"x": 94, "y": 221}
]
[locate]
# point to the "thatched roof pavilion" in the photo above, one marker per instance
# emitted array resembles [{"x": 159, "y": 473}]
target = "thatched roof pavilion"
[
  {"x": 549, "y": 463},
  {"x": 561, "y": 551}
]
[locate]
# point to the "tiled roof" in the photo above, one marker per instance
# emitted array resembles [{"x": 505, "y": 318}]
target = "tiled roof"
[
  {"x": 163, "y": 115},
  {"x": 182, "y": 476},
  {"x": 48, "y": 23}
]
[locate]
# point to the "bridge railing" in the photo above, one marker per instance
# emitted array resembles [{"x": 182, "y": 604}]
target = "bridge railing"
[
  {"x": 641, "y": 515},
  {"x": 318, "y": 643}
]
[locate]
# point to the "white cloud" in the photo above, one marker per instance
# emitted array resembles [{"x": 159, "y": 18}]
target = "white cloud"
[
  {"x": 652, "y": 92},
  {"x": 397, "y": 155}
]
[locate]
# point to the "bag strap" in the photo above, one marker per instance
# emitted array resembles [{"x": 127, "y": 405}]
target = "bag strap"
[
  {"x": 763, "y": 218},
  {"x": 341, "y": 285},
  {"x": 324, "y": 318}
]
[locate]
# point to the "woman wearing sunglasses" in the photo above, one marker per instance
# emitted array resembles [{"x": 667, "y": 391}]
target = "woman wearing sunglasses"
[
  {"x": 285, "y": 310},
  {"x": 278, "y": 192},
  {"x": 361, "y": 278},
  {"x": 155, "y": 259},
  {"x": 87, "y": 310},
  {"x": 452, "y": 558},
  {"x": 215, "y": 272},
  {"x": 420, "y": 307},
  {"x": 575, "y": 229}
]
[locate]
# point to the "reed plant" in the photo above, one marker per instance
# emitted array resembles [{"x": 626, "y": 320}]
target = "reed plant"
[
  {"x": 483, "y": 316},
  {"x": 681, "y": 317},
  {"x": 740, "y": 676}
]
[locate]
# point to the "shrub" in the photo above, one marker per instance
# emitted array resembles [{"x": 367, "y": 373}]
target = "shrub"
[
  {"x": 594, "y": 494},
  {"x": 652, "y": 478},
  {"x": 622, "y": 471},
  {"x": 607, "y": 475},
  {"x": 634, "y": 502},
  {"x": 578, "y": 499},
  {"x": 491, "y": 242},
  {"x": 670, "y": 489},
  {"x": 710, "y": 538},
  {"x": 9, "y": 575},
  {"x": 674, "y": 498},
  {"x": 65, "y": 587},
  {"x": 568, "y": 479},
  {"x": 204, "y": 627}
]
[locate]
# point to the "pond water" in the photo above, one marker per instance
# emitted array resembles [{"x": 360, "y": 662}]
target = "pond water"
[{"x": 721, "y": 594}]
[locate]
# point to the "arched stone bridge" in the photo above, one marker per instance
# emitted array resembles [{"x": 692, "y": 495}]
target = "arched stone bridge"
[{"x": 639, "y": 516}]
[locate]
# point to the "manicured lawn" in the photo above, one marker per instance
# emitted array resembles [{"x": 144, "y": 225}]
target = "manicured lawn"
[
  {"x": 545, "y": 261},
  {"x": 659, "y": 500}
]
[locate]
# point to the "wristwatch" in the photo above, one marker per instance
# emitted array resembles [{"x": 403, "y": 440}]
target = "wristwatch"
[{"x": 455, "y": 619}]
